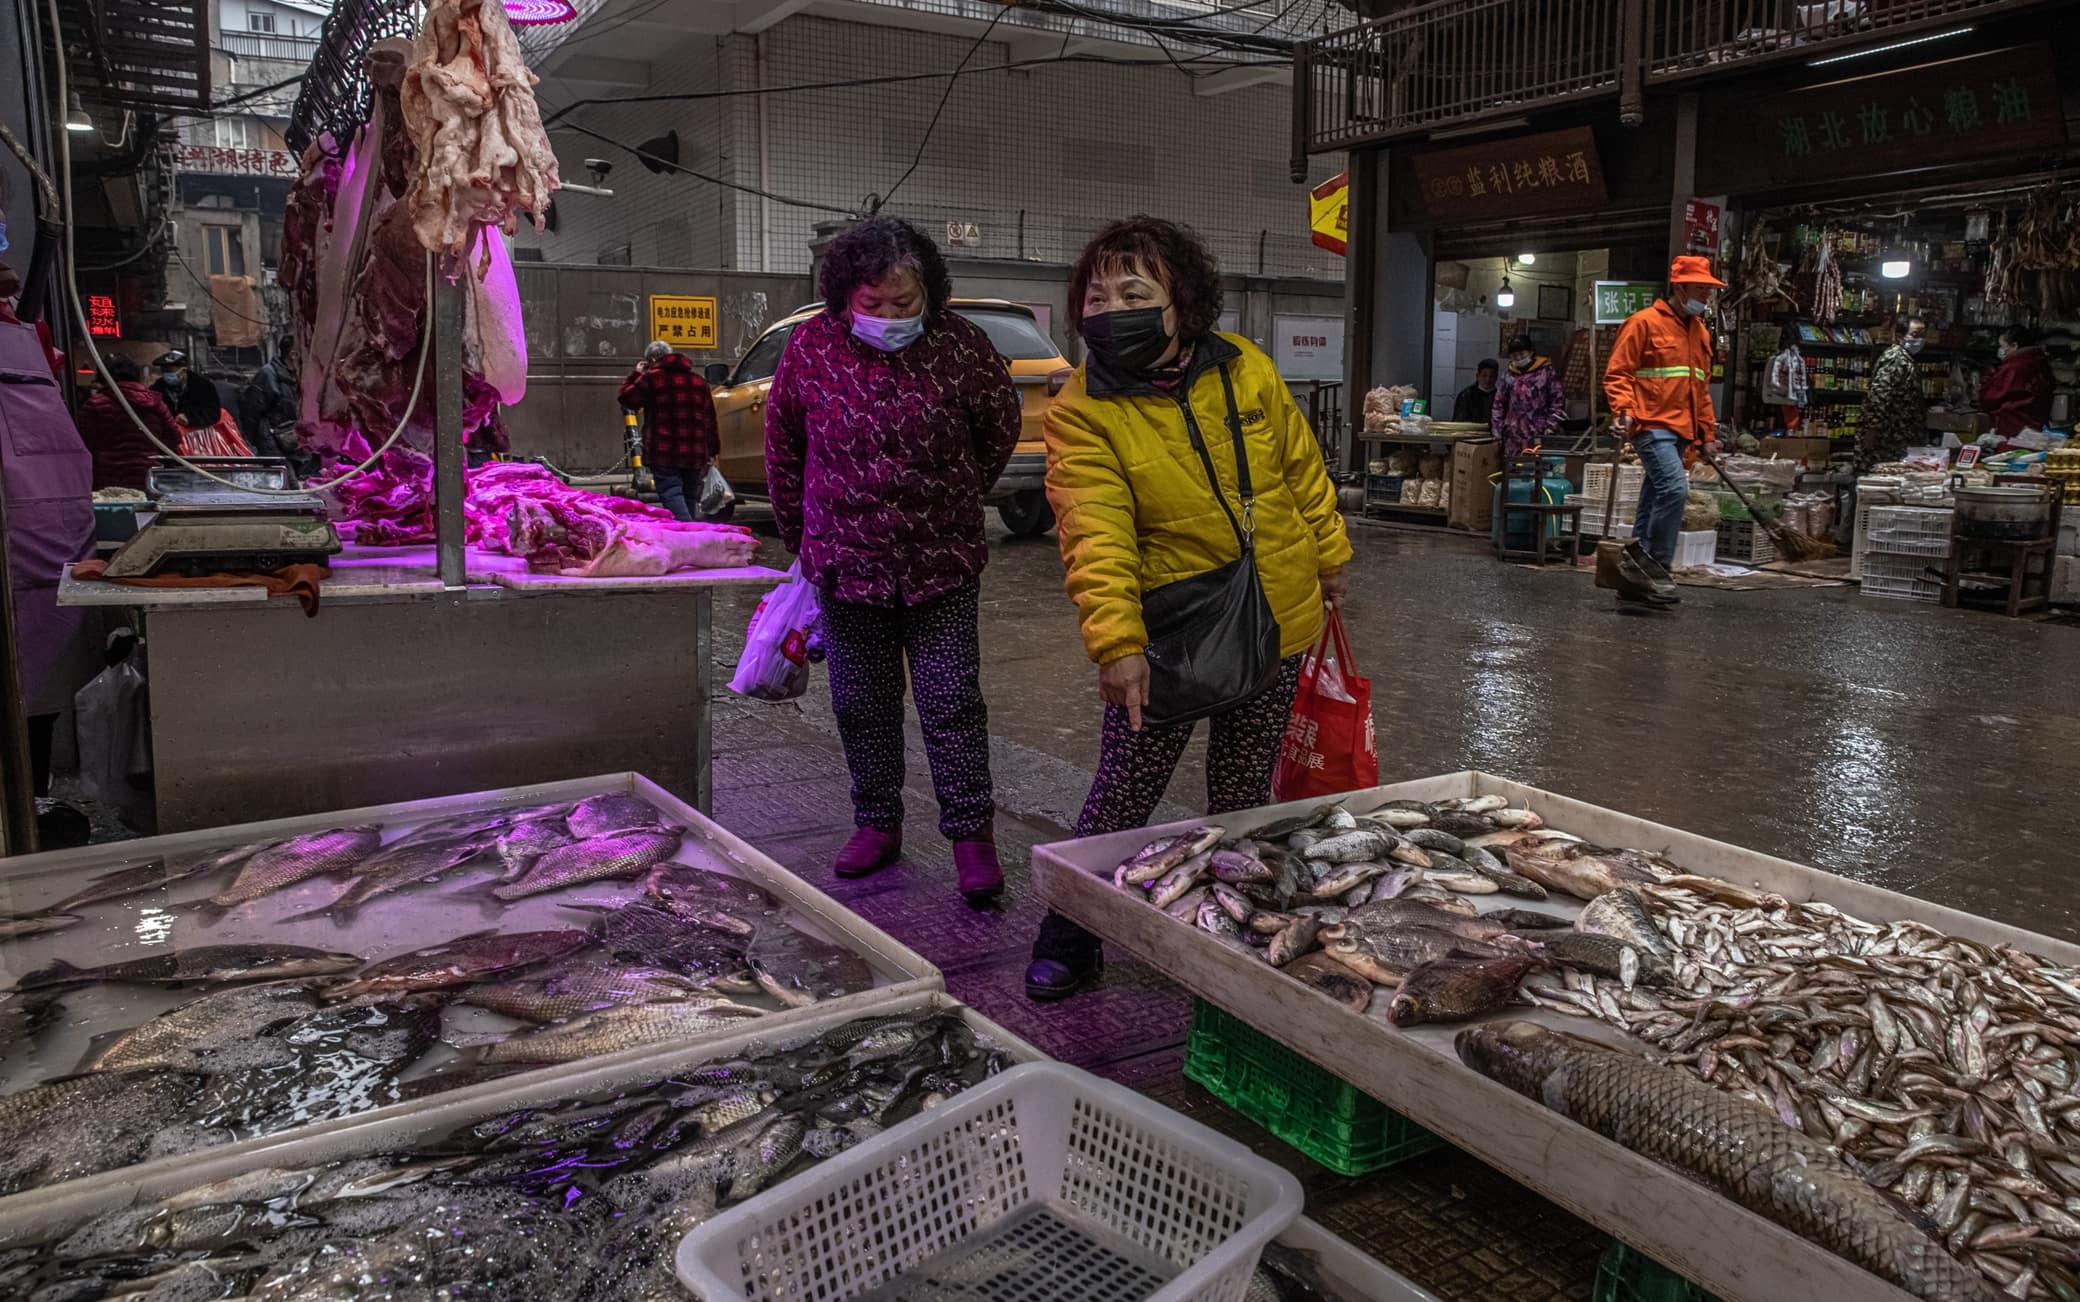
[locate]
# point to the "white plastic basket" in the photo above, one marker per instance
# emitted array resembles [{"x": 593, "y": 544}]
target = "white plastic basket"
[
  {"x": 1596, "y": 481},
  {"x": 1044, "y": 1184}
]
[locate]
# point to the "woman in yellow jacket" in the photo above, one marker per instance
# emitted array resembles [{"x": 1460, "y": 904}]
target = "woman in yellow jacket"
[{"x": 1134, "y": 512}]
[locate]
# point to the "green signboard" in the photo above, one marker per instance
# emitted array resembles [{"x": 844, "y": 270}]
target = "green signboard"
[{"x": 1617, "y": 300}]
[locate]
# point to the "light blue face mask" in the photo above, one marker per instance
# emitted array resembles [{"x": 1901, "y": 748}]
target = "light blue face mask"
[{"x": 889, "y": 334}]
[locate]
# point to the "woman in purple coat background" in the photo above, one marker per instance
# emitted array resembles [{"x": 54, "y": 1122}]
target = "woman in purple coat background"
[
  {"x": 1530, "y": 402},
  {"x": 889, "y": 418}
]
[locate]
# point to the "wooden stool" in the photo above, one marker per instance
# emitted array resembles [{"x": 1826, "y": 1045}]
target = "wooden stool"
[{"x": 2009, "y": 562}]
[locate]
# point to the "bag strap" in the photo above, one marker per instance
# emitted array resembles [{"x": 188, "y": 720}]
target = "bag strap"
[{"x": 1246, "y": 527}]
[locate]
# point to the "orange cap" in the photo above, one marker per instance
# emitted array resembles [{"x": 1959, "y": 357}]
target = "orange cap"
[{"x": 1693, "y": 270}]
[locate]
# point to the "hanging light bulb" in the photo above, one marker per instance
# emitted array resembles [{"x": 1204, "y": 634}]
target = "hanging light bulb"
[
  {"x": 1526, "y": 259},
  {"x": 1897, "y": 265},
  {"x": 77, "y": 119},
  {"x": 1505, "y": 297}
]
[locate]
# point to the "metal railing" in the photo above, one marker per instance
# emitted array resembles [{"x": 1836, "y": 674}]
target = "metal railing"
[
  {"x": 1688, "y": 39},
  {"x": 263, "y": 45},
  {"x": 1454, "y": 63}
]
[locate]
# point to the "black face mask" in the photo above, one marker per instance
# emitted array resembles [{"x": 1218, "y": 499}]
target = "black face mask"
[{"x": 1132, "y": 340}]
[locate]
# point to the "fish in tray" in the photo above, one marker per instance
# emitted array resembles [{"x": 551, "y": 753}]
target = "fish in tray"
[
  {"x": 397, "y": 866},
  {"x": 22, "y": 1019},
  {"x": 798, "y": 969},
  {"x": 339, "y": 1061},
  {"x": 203, "y": 965},
  {"x": 584, "y": 984},
  {"x": 1286, "y": 1274},
  {"x": 197, "y": 1035},
  {"x": 298, "y": 859},
  {"x": 710, "y": 898},
  {"x": 614, "y": 1029},
  {"x": 86, "y": 1124},
  {"x": 627, "y": 853},
  {"x": 642, "y": 933},
  {"x": 1455, "y": 989},
  {"x": 36, "y": 924},
  {"x": 461, "y": 961},
  {"x": 154, "y": 875},
  {"x": 1727, "y": 1144},
  {"x": 613, "y": 812},
  {"x": 1159, "y": 857},
  {"x": 584, "y": 1198},
  {"x": 1586, "y": 871}
]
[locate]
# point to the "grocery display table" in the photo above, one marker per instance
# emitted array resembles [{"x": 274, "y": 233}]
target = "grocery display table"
[
  {"x": 1729, "y": 1251},
  {"x": 402, "y": 688}
]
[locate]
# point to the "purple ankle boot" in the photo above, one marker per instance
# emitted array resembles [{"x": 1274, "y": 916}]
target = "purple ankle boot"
[
  {"x": 869, "y": 851},
  {"x": 981, "y": 876}
]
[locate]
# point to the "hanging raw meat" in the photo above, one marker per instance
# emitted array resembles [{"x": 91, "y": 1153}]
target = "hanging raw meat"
[{"x": 483, "y": 155}]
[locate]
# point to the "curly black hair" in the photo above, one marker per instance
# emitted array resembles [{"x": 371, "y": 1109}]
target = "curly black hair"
[
  {"x": 868, "y": 252},
  {"x": 1172, "y": 251}
]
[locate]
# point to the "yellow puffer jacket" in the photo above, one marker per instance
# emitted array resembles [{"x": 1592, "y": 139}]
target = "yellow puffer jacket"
[{"x": 1133, "y": 510}]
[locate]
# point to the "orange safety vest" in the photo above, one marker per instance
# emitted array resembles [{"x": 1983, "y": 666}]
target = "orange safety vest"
[{"x": 1660, "y": 373}]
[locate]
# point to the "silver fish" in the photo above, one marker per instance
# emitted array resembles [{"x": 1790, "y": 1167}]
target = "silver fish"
[
  {"x": 300, "y": 858},
  {"x": 628, "y": 853},
  {"x": 1179, "y": 880},
  {"x": 1161, "y": 856},
  {"x": 188, "y": 1037},
  {"x": 613, "y": 812},
  {"x": 1350, "y": 847}
]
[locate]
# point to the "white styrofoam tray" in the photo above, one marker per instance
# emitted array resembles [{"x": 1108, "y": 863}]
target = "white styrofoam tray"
[
  {"x": 31, "y": 1219},
  {"x": 420, "y": 916},
  {"x": 1734, "y": 1254}
]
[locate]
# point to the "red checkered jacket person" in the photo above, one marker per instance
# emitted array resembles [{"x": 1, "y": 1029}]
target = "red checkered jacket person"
[{"x": 679, "y": 432}]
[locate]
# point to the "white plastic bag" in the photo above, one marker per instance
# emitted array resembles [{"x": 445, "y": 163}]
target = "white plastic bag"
[
  {"x": 715, "y": 495},
  {"x": 114, "y": 730},
  {"x": 775, "y": 663}
]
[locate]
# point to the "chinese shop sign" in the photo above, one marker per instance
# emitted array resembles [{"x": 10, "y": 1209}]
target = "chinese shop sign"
[
  {"x": 236, "y": 162},
  {"x": 1700, "y": 226},
  {"x": 683, "y": 322},
  {"x": 1552, "y": 172},
  {"x": 1617, "y": 300},
  {"x": 103, "y": 322},
  {"x": 1980, "y": 106}
]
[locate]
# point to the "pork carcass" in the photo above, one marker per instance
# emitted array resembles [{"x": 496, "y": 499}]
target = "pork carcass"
[{"x": 483, "y": 154}]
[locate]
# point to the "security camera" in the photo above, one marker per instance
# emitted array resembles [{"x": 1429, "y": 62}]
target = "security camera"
[{"x": 599, "y": 167}]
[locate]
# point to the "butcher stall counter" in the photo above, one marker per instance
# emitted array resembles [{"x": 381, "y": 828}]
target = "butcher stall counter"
[{"x": 401, "y": 688}]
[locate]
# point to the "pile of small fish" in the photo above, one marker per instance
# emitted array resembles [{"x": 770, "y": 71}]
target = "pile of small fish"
[
  {"x": 1728, "y": 1145},
  {"x": 1345, "y": 902},
  {"x": 564, "y": 1202},
  {"x": 1941, "y": 1071},
  {"x": 285, "y": 1035},
  {"x": 1947, "y": 1070}
]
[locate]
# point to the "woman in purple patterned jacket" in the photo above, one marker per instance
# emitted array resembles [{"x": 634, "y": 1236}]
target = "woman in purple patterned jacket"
[
  {"x": 1530, "y": 402},
  {"x": 889, "y": 418}
]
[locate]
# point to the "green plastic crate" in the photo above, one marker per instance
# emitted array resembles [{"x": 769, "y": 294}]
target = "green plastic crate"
[
  {"x": 1625, "y": 1276},
  {"x": 1329, "y": 1119}
]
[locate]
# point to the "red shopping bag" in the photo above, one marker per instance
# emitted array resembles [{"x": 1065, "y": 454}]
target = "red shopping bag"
[{"x": 1329, "y": 744}]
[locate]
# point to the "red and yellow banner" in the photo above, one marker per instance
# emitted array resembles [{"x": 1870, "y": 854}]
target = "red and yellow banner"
[{"x": 1329, "y": 212}]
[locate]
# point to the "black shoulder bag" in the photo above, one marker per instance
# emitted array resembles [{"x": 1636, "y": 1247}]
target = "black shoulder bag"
[{"x": 1212, "y": 642}]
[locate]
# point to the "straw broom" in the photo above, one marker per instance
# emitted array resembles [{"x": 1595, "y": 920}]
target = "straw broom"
[{"x": 1794, "y": 544}]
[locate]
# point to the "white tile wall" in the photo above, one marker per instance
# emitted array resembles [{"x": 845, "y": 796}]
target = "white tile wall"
[{"x": 1068, "y": 146}]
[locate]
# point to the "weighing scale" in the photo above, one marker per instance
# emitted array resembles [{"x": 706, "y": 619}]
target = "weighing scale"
[{"x": 198, "y": 526}]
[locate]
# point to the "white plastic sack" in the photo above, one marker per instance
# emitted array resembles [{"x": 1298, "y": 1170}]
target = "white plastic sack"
[
  {"x": 775, "y": 663},
  {"x": 115, "y": 740},
  {"x": 715, "y": 495}
]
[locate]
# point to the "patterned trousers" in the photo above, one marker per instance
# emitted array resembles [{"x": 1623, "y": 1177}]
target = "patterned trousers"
[
  {"x": 866, "y": 647},
  {"x": 1134, "y": 768}
]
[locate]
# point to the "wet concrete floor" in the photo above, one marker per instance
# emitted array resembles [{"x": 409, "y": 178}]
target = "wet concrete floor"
[{"x": 1929, "y": 751}]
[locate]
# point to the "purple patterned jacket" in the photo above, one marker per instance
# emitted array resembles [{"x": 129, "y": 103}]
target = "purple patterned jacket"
[
  {"x": 877, "y": 462},
  {"x": 1529, "y": 406}
]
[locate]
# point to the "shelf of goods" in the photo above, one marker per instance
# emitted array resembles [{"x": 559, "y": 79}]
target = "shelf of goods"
[
  {"x": 1902, "y": 550},
  {"x": 1700, "y": 894},
  {"x": 539, "y": 926}
]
